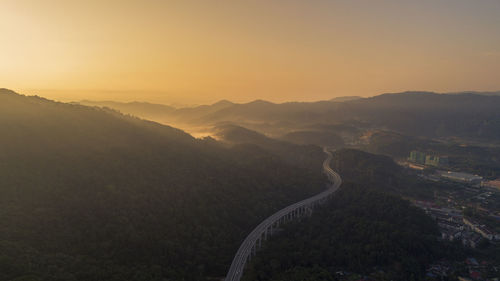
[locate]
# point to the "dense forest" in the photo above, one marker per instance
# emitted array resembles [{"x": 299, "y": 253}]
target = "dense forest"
[
  {"x": 91, "y": 194},
  {"x": 365, "y": 229}
]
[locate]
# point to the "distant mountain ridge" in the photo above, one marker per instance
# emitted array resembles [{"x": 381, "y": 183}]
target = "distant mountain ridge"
[
  {"x": 468, "y": 114},
  {"x": 490, "y": 93},
  {"x": 346, "y": 98}
]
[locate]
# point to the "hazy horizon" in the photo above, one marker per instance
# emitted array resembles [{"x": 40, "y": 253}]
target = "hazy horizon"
[
  {"x": 193, "y": 52},
  {"x": 118, "y": 96}
]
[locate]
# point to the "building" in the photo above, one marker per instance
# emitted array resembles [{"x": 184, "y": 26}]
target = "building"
[
  {"x": 470, "y": 239},
  {"x": 480, "y": 229},
  {"x": 436, "y": 161},
  {"x": 450, "y": 225},
  {"x": 462, "y": 177},
  {"x": 421, "y": 158},
  {"x": 451, "y": 235},
  {"x": 417, "y": 157},
  {"x": 485, "y": 232},
  {"x": 493, "y": 184}
]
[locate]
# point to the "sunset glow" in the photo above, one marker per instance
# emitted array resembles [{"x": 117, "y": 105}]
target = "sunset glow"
[{"x": 203, "y": 51}]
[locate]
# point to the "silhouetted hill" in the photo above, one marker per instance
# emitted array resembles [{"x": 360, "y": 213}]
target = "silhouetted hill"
[
  {"x": 261, "y": 111},
  {"x": 465, "y": 115},
  {"x": 145, "y": 110},
  {"x": 493, "y": 93},
  {"x": 90, "y": 194},
  {"x": 379, "y": 173},
  {"x": 346, "y": 98},
  {"x": 413, "y": 113},
  {"x": 317, "y": 137},
  {"x": 305, "y": 156},
  {"x": 430, "y": 114},
  {"x": 222, "y": 104}
]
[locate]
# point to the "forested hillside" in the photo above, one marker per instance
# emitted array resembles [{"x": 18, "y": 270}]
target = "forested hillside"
[
  {"x": 309, "y": 157},
  {"x": 366, "y": 229},
  {"x": 318, "y": 137},
  {"x": 433, "y": 115},
  {"x": 91, "y": 194}
]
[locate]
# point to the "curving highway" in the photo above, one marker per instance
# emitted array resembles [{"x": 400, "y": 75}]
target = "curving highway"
[{"x": 266, "y": 228}]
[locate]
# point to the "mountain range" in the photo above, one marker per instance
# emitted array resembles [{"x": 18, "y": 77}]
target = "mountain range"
[{"x": 467, "y": 115}]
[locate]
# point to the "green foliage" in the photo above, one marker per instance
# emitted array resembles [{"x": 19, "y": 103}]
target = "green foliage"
[
  {"x": 366, "y": 228},
  {"x": 360, "y": 230},
  {"x": 90, "y": 194}
]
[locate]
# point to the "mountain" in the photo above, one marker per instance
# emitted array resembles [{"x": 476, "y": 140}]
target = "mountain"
[
  {"x": 305, "y": 156},
  {"x": 414, "y": 113},
  {"x": 431, "y": 114},
  {"x": 143, "y": 109},
  {"x": 492, "y": 93},
  {"x": 318, "y": 137},
  {"x": 159, "y": 112},
  {"x": 464, "y": 115},
  {"x": 87, "y": 193},
  {"x": 262, "y": 111},
  {"x": 346, "y": 98}
]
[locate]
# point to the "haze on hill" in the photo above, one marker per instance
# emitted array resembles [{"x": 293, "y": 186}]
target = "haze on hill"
[
  {"x": 91, "y": 194},
  {"x": 469, "y": 115}
]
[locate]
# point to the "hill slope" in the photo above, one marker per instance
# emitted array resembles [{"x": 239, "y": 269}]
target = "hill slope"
[
  {"x": 366, "y": 229},
  {"x": 90, "y": 194}
]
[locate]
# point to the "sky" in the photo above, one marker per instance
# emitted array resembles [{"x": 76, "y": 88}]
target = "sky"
[{"x": 192, "y": 52}]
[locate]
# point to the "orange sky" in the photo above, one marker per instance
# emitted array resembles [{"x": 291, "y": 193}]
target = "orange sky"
[{"x": 202, "y": 51}]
